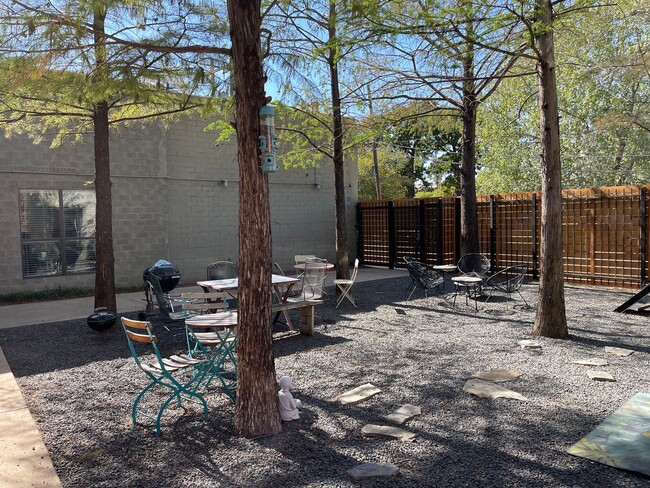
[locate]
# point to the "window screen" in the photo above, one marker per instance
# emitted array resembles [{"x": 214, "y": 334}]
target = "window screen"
[{"x": 57, "y": 229}]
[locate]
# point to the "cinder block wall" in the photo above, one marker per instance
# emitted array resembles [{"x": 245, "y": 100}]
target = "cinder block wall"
[{"x": 169, "y": 202}]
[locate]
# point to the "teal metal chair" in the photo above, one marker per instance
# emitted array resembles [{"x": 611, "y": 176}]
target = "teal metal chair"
[
  {"x": 213, "y": 337},
  {"x": 161, "y": 371},
  {"x": 166, "y": 302}
]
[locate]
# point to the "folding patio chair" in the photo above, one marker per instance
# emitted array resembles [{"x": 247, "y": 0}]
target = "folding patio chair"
[
  {"x": 213, "y": 338},
  {"x": 166, "y": 302},
  {"x": 346, "y": 285},
  {"x": 160, "y": 371}
]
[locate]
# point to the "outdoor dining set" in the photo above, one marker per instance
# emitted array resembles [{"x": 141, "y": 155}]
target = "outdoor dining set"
[
  {"x": 472, "y": 280},
  {"x": 210, "y": 327}
]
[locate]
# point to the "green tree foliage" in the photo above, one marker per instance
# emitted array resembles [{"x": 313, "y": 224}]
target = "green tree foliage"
[
  {"x": 393, "y": 182},
  {"x": 604, "y": 85},
  {"x": 75, "y": 67}
]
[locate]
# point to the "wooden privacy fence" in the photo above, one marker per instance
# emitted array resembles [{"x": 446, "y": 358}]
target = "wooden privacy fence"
[{"x": 604, "y": 232}]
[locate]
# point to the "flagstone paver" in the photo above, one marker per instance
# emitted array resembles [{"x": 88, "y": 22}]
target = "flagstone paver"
[
  {"x": 358, "y": 394},
  {"x": 600, "y": 375},
  {"x": 373, "y": 470},
  {"x": 497, "y": 375},
  {"x": 591, "y": 362},
  {"x": 403, "y": 413},
  {"x": 618, "y": 351},
  {"x": 485, "y": 389},
  {"x": 371, "y": 430}
]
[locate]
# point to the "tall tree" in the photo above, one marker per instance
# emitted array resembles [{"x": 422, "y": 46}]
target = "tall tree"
[
  {"x": 315, "y": 40},
  {"x": 550, "y": 320},
  {"x": 73, "y": 70},
  {"x": 454, "y": 54},
  {"x": 257, "y": 410},
  {"x": 601, "y": 104}
]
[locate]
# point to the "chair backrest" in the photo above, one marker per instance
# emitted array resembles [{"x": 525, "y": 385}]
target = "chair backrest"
[
  {"x": 277, "y": 269},
  {"x": 205, "y": 302},
  {"x": 222, "y": 270},
  {"x": 301, "y": 258},
  {"x": 355, "y": 270},
  {"x": 508, "y": 280},
  {"x": 474, "y": 263},
  {"x": 162, "y": 300},
  {"x": 140, "y": 332},
  {"x": 313, "y": 278}
]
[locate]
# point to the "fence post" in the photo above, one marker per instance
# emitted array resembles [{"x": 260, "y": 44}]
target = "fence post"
[
  {"x": 422, "y": 233},
  {"x": 643, "y": 242},
  {"x": 359, "y": 227},
  {"x": 493, "y": 232},
  {"x": 441, "y": 232},
  {"x": 391, "y": 236},
  {"x": 535, "y": 271},
  {"x": 457, "y": 228}
]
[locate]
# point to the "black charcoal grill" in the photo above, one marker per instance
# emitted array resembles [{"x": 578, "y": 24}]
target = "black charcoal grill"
[{"x": 168, "y": 276}]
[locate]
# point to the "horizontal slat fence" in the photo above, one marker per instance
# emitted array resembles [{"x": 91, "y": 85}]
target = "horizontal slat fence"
[{"x": 604, "y": 232}]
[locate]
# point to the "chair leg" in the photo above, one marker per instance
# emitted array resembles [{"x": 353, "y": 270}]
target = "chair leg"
[
  {"x": 345, "y": 293},
  {"x": 522, "y": 297},
  {"x": 411, "y": 294}
]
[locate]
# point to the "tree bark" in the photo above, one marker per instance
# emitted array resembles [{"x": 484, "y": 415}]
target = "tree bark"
[
  {"x": 256, "y": 411},
  {"x": 550, "y": 320},
  {"x": 342, "y": 260},
  {"x": 468, "y": 215},
  {"x": 104, "y": 258}
]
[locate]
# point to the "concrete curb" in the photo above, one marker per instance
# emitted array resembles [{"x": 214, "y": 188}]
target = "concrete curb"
[{"x": 24, "y": 460}]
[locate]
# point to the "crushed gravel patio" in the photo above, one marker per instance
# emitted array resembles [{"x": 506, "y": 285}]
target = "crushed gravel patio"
[{"x": 79, "y": 385}]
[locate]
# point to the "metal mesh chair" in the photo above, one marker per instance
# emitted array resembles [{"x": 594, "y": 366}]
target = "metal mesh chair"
[
  {"x": 222, "y": 270},
  {"x": 474, "y": 264},
  {"x": 508, "y": 281},
  {"x": 424, "y": 277}
]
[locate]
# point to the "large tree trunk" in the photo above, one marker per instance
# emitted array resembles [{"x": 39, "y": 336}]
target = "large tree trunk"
[
  {"x": 550, "y": 320},
  {"x": 468, "y": 213},
  {"x": 342, "y": 261},
  {"x": 410, "y": 187},
  {"x": 257, "y": 411},
  {"x": 104, "y": 258}
]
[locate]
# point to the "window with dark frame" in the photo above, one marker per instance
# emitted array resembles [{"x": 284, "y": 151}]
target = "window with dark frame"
[{"x": 57, "y": 229}]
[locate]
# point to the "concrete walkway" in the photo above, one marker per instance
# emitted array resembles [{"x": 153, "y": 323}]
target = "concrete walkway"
[{"x": 24, "y": 460}]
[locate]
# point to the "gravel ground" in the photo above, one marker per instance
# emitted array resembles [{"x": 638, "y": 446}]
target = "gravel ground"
[{"x": 79, "y": 386}]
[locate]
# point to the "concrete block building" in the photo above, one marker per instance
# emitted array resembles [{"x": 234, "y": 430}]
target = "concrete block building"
[{"x": 175, "y": 197}]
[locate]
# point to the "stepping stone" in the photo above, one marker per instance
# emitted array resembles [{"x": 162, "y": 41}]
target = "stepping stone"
[
  {"x": 497, "y": 375},
  {"x": 358, "y": 394},
  {"x": 600, "y": 375},
  {"x": 618, "y": 351},
  {"x": 371, "y": 430},
  {"x": 528, "y": 344},
  {"x": 403, "y": 413},
  {"x": 373, "y": 470},
  {"x": 591, "y": 362},
  {"x": 485, "y": 389}
]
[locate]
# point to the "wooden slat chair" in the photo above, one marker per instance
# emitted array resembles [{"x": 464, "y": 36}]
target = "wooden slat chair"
[
  {"x": 160, "y": 371},
  {"x": 213, "y": 337}
]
